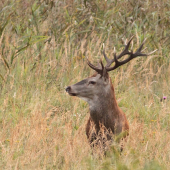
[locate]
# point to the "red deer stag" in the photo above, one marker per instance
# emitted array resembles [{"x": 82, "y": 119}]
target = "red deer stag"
[{"x": 98, "y": 92}]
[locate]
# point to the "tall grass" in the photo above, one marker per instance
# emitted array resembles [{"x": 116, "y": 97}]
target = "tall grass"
[{"x": 43, "y": 45}]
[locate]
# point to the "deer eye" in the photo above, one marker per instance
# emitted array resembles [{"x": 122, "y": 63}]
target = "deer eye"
[{"x": 92, "y": 82}]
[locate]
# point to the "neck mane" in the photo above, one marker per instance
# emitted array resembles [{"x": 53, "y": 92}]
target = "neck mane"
[{"x": 104, "y": 109}]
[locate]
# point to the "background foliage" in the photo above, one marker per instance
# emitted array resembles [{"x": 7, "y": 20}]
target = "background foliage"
[{"x": 43, "y": 44}]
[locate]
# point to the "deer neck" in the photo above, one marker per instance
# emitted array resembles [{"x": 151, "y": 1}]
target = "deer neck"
[{"x": 104, "y": 108}]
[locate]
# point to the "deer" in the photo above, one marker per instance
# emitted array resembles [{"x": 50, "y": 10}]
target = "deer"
[{"x": 98, "y": 92}]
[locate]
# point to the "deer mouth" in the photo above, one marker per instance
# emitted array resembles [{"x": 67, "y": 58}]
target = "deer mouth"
[{"x": 72, "y": 94}]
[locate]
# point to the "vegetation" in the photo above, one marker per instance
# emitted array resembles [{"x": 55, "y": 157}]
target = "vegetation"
[{"x": 43, "y": 48}]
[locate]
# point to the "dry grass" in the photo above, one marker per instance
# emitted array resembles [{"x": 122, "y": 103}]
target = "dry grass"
[{"x": 43, "y": 45}]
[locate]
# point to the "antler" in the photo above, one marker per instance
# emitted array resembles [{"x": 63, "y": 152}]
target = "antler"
[
  {"x": 125, "y": 52},
  {"x": 115, "y": 59}
]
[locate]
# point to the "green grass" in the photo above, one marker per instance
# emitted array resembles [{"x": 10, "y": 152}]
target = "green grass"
[{"x": 43, "y": 49}]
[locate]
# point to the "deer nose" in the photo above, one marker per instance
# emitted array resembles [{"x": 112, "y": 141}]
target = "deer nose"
[{"x": 68, "y": 89}]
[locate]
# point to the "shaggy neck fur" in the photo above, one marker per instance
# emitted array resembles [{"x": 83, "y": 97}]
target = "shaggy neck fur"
[{"x": 104, "y": 109}]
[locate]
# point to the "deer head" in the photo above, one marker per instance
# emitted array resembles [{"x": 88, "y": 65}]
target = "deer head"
[{"x": 100, "y": 85}]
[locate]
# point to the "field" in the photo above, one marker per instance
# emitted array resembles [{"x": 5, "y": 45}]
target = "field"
[{"x": 43, "y": 49}]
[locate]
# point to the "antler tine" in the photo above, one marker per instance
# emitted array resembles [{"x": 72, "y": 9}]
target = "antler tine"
[
  {"x": 152, "y": 52},
  {"x": 94, "y": 67},
  {"x": 125, "y": 51},
  {"x": 139, "y": 50},
  {"x": 109, "y": 61}
]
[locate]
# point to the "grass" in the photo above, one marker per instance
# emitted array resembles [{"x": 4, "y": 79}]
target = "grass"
[{"x": 43, "y": 45}]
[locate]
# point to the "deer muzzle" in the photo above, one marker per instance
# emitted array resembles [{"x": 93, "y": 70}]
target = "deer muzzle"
[{"x": 68, "y": 90}]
